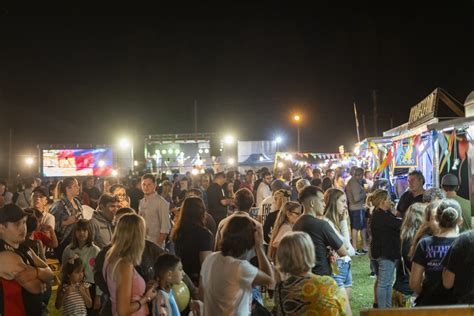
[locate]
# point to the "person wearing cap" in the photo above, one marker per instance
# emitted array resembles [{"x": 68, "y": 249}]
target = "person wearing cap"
[
  {"x": 22, "y": 272},
  {"x": 216, "y": 198},
  {"x": 450, "y": 185},
  {"x": 40, "y": 204}
]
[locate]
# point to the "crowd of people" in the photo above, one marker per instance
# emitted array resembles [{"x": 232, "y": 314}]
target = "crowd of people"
[{"x": 237, "y": 242}]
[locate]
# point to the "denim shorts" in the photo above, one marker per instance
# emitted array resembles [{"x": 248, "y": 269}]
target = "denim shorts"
[
  {"x": 344, "y": 277},
  {"x": 357, "y": 219}
]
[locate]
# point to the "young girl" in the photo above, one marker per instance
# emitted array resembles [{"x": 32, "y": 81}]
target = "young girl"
[
  {"x": 73, "y": 294},
  {"x": 83, "y": 247}
]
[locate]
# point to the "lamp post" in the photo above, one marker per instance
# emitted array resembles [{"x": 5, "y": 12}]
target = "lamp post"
[{"x": 297, "y": 120}]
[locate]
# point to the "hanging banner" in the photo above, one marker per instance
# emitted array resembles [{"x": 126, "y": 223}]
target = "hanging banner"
[{"x": 406, "y": 156}]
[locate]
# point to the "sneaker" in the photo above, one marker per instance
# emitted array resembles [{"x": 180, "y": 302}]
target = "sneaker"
[
  {"x": 372, "y": 275},
  {"x": 359, "y": 253}
]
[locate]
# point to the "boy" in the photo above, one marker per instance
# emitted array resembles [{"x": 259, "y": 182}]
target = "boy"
[{"x": 168, "y": 272}]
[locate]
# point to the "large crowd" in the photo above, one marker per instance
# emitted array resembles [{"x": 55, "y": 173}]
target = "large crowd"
[{"x": 259, "y": 243}]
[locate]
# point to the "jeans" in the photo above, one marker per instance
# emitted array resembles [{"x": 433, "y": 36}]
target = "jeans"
[
  {"x": 385, "y": 282},
  {"x": 344, "y": 277}
]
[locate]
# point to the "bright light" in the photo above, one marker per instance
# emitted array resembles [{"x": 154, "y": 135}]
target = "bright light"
[
  {"x": 206, "y": 151},
  {"x": 177, "y": 151},
  {"x": 289, "y": 157},
  {"x": 280, "y": 165},
  {"x": 101, "y": 163},
  {"x": 229, "y": 139},
  {"x": 297, "y": 118},
  {"x": 200, "y": 151},
  {"x": 170, "y": 151},
  {"x": 135, "y": 163},
  {"x": 278, "y": 140},
  {"x": 231, "y": 161},
  {"x": 261, "y": 158},
  {"x": 114, "y": 173},
  {"x": 124, "y": 143},
  {"x": 29, "y": 161},
  {"x": 163, "y": 151},
  {"x": 195, "y": 171}
]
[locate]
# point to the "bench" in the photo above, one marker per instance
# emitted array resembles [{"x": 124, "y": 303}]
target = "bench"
[{"x": 451, "y": 310}]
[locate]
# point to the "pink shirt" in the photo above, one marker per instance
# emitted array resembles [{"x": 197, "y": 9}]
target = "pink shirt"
[{"x": 138, "y": 289}]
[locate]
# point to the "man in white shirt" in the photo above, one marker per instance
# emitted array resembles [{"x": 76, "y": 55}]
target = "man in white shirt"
[
  {"x": 155, "y": 211},
  {"x": 263, "y": 190}
]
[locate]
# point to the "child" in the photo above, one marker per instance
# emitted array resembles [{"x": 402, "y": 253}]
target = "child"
[
  {"x": 83, "y": 247},
  {"x": 73, "y": 294},
  {"x": 168, "y": 271}
]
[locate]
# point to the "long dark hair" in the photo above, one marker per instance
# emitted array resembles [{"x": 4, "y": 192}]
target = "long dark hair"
[
  {"x": 82, "y": 224},
  {"x": 69, "y": 266},
  {"x": 238, "y": 236},
  {"x": 190, "y": 217}
]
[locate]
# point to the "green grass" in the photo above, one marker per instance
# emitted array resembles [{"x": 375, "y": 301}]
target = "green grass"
[{"x": 362, "y": 294}]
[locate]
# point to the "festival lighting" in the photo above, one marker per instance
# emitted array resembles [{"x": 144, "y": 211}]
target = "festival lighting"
[
  {"x": 261, "y": 158},
  {"x": 29, "y": 161},
  {"x": 229, "y": 139},
  {"x": 231, "y": 161},
  {"x": 200, "y": 151},
  {"x": 280, "y": 165},
  {"x": 114, "y": 173},
  {"x": 163, "y": 151},
  {"x": 296, "y": 118},
  {"x": 278, "y": 140},
  {"x": 101, "y": 163},
  {"x": 195, "y": 171},
  {"x": 135, "y": 163},
  {"x": 124, "y": 143},
  {"x": 206, "y": 151},
  {"x": 177, "y": 151},
  {"x": 170, "y": 151}
]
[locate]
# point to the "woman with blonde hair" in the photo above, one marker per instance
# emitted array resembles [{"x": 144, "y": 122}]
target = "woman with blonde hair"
[
  {"x": 283, "y": 225},
  {"x": 428, "y": 227},
  {"x": 125, "y": 285},
  {"x": 303, "y": 292},
  {"x": 336, "y": 214},
  {"x": 385, "y": 244},
  {"x": 280, "y": 197},
  {"x": 411, "y": 223}
]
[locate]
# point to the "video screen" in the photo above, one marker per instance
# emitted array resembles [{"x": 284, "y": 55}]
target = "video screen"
[{"x": 77, "y": 162}]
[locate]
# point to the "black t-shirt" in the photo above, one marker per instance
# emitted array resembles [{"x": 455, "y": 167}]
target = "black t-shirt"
[
  {"x": 135, "y": 196},
  {"x": 268, "y": 225},
  {"x": 323, "y": 236},
  {"x": 406, "y": 200},
  {"x": 428, "y": 253},
  {"x": 385, "y": 232},
  {"x": 460, "y": 260},
  {"x": 189, "y": 245},
  {"x": 214, "y": 197}
]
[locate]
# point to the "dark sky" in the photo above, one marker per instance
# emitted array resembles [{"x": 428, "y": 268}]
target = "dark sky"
[{"x": 88, "y": 75}]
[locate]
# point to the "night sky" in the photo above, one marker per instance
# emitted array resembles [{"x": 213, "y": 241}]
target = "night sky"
[{"x": 89, "y": 75}]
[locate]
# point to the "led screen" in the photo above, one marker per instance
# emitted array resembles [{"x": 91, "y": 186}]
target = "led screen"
[{"x": 77, "y": 162}]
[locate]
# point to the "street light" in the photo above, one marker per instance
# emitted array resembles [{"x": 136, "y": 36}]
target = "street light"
[
  {"x": 124, "y": 143},
  {"x": 297, "y": 120},
  {"x": 29, "y": 161},
  {"x": 229, "y": 139}
]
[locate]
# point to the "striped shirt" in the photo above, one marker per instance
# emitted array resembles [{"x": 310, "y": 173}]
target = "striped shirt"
[{"x": 73, "y": 303}]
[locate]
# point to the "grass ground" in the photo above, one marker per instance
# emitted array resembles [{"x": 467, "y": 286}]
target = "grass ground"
[{"x": 362, "y": 290}]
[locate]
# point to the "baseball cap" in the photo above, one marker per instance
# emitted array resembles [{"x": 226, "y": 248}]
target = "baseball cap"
[
  {"x": 11, "y": 213},
  {"x": 279, "y": 185},
  {"x": 43, "y": 192},
  {"x": 450, "y": 179}
]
